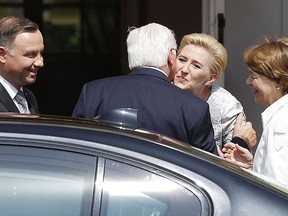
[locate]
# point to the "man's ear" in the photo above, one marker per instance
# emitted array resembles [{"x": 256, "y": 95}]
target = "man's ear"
[
  {"x": 171, "y": 64},
  {"x": 171, "y": 57},
  {"x": 3, "y": 54}
]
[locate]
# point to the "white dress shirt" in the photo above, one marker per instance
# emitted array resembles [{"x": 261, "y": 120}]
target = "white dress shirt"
[{"x": 271, "y": 157}]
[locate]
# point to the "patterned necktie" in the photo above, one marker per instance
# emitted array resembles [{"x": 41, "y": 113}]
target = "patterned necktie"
[{"x": 21, "y": 100}]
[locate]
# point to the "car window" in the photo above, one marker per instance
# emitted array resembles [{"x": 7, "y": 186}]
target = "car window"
[
  {"x": 130, "y": 191},
  {"x": 45, "y": 182}
]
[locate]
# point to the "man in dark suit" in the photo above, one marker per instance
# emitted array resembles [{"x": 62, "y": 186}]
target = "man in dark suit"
[
  {"x": 21, "y": 47},
  {"x": 162, "y": 107},
  {"x": 8, "y": 105}
]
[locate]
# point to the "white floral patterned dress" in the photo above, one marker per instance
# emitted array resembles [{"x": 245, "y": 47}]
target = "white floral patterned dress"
[{"x": 224, "y": 108}]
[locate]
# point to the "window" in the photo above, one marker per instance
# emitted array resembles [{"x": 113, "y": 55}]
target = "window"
[
  {"x": 45, "y": 182},
  {"x": 72, "y": 26},
  {"x": 11, "y": 7},
  {"x": 130, "y": 191}
]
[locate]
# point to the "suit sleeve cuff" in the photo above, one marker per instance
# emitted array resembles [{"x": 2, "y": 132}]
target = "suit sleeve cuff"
[{"x": 240, "y": 142}]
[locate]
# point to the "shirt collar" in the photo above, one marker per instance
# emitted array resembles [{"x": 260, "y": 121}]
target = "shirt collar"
[
  {"x": 268, "y": 113},
  {"x": 12, "y": 91}
]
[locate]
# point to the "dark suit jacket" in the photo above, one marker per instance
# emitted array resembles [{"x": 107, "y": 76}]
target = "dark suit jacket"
[
  {"x": 7, "y": 104},
  {"x": 162, "y": 107}
]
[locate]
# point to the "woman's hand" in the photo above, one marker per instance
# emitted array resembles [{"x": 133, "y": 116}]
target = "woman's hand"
[{"x": 236, "y": 154}]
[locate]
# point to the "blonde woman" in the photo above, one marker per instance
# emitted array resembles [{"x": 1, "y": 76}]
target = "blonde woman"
[{"x": 201, "y": 59}]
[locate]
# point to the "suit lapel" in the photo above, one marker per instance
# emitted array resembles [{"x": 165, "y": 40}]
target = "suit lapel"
[
  {"x": 6, "y": 100},
  {"x": 31, "y": 103},
  {"x": 9, "y": 104}
]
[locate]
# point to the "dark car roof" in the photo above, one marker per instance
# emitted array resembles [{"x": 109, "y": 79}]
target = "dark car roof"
[
  {"x": 89, "y": 129},
  {"x": 207, "y": 170}
]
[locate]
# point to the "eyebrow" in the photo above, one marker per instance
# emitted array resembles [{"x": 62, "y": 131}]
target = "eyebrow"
[{"x": 193, "y": 61}]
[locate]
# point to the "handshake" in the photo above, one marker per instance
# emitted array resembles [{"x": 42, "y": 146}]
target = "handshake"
[{"x": 236, "y": 153}]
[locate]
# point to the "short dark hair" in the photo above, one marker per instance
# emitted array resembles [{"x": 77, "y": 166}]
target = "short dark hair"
[
  {"x": 270, "y": 59},
  {"x": 11, "y": 26}
]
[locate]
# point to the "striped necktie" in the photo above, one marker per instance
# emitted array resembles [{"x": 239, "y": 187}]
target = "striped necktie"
[{"x": 21, "y": 100}]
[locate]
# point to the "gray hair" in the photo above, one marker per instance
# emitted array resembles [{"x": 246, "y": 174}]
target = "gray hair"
[{"x": 149, "y": 45}]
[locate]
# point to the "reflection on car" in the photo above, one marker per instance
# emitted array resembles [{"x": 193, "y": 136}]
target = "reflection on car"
[{"x": 51, "y": 165}]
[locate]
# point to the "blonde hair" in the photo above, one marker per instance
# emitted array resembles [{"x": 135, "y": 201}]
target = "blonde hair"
[{"x": 218, "y": 61}]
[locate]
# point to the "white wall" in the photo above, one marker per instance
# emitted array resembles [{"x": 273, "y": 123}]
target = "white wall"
[
  {"x": 210, "y": 10},
  {"x": 247, "y": 22}
]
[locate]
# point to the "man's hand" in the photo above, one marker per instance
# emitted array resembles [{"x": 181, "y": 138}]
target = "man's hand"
[
  {"x": 245, "y": 131},
  {"x": 236, "y": 154}
]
